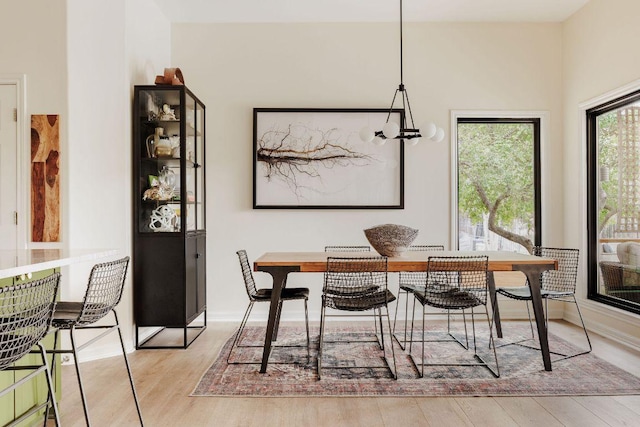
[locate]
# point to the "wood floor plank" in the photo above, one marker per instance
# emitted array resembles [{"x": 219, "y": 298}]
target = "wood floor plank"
[
  {"x": 443, "y": 412},
  {"x": 484, "y": 411},
  {"x": 610, "y": 409},
  {"x": 570, "y": 412},
  {"x": 526, "y": 411},
  {"x": 403, "y": 411},
  {"x": 631, "y": 402}
]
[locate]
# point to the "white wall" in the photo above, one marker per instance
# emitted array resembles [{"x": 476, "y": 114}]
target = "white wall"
[
  {"x": 599, "y": 57},
  {"x": 236, "y": 67},
  {"x": 112, "y": 46},
  {"x": 33, "y": 44}
]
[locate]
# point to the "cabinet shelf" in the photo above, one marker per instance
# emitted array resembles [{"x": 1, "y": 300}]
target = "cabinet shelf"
[{"x": 169, "y": 238}]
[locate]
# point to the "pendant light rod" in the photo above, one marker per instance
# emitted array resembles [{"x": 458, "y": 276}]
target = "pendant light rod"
[
  {"x": 401, "y": 62},
  {"x": 406, "y": 130}
]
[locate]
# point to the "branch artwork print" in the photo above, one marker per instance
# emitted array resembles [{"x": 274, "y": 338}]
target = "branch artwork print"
[
  {"x": 314, "y": 158},
  {"x": 299, "y": 151}
]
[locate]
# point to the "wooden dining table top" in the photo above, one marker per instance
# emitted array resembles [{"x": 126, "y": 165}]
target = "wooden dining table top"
[{"x": 409, "y": 261}]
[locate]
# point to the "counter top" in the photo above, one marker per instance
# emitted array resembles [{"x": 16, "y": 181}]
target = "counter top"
[{"x": 14, "y": 263}]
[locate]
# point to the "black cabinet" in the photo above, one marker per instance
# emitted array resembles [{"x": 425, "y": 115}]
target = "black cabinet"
[{"x": 169, "y": 236}]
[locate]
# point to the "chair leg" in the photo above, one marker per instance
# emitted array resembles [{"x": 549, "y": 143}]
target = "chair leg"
[
  {"x": 126, "y": 362},
  {"x": 322, "y": 316},
  {"x": 306, "y": 321},
  {"x": 77, "y": 365},
  {"x": 247, "y": 312},
  {"x": 423, "y": 340},
  {"x": 401, "y": 292},
  {"x": 584, "y": 328},
  {"x": 530, "y": 320},
  {"x": 51, "y": 398},
  {"x": 495, "y": 353},
  {"x": 53, "y": 368},
  {"x": 381, "y": 328},
  {"x": 413, "y": 316},
  {"x": 393, "y": 353}
]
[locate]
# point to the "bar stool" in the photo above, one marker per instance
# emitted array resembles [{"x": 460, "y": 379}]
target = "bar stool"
[
  {"x": 103, "y": 294},
  {"x": 25, "y": 316}
]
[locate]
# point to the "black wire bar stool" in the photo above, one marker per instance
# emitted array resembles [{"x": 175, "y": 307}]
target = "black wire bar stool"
[
  {"x": 104, "y": 291},
  {"x": 25, "y": 317}
]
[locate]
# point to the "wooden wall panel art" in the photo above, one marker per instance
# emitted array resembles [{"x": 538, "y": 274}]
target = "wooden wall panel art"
[{"x": 45, "y": 178}]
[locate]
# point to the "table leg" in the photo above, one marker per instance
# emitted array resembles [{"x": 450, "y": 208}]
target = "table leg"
[
  {"x": 494, "y": 303},
  {"x": 533, "y": 278},
  {"x": 279, "y": 275}
]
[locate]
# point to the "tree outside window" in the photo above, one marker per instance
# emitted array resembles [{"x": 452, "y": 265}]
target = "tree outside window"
[{"x": 498, "y": 184}]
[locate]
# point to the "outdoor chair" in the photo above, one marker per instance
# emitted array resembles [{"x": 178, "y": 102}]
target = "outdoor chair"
[
  {"x": 408, "y": 282},
  {"x": 455, "y": 283},
  {"x": 559, "y": 285},
  {"x": 103, "y": 293},
  {"x": 264, "y": 295},
  {"x": 356, "y": 285},
  {"x": 25, "y": 316}
]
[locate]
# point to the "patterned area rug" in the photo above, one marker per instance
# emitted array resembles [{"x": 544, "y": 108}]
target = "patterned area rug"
[{"x": 291, "y": 372}]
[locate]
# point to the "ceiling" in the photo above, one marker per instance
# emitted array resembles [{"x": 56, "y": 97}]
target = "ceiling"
[{"x": 368, "y": 10}]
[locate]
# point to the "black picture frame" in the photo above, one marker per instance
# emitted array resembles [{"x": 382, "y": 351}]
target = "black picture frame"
[{"x": 313, "y": 158}]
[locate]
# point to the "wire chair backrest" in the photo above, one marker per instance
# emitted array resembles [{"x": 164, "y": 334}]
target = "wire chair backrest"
[
  {"x": 356, "y": 279},
  {"x": 417, "y": 278},
  {"x": 247, "y": 275},
  {"x": 25, "y": 316},
  {"x": 564, "y": 278},
  {"x": 457, "y": 278},
  {"x": 347, "y": 248},
  {"x": 104, "y": 290}
]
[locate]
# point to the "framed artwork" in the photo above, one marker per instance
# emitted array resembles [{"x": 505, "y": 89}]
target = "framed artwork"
[{"x": 313, "y": 158}]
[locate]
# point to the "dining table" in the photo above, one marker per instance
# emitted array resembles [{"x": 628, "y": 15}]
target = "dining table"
[{"x": 280, "y": 264}]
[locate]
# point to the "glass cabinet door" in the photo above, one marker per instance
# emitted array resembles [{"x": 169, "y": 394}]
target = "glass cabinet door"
[
  {"x": 191, "y": 162},
  {"x": 159, "y": 172},
  {"x": 200, "y": 178}
]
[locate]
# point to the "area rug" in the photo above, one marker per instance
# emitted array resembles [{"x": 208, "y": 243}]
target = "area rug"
[{"x": 293, "y": 372}]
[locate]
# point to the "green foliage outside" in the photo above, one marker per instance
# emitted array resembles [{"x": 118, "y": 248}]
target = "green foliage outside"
[
  {"x": 608, "y": 161},
  {"x": 495, "y": 169}
]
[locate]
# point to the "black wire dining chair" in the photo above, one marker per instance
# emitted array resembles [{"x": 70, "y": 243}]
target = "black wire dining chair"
[
  {"x": 455, "y": 283},
  {"x": 25, "y": 317},
  {"x": 558, "y": 285},
  {"x": 357, "y": 284},
  {"x": 104, "y": 291},
  {"x": 264, "y": 295}
]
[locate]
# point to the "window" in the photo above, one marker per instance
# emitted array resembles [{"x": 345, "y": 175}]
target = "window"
[
  {"x": 498, "y": 183},
  {"x": 613, "y": 200}
]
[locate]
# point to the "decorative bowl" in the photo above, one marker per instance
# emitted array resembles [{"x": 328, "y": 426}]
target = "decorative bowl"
[{"x": 390, "y": 240}]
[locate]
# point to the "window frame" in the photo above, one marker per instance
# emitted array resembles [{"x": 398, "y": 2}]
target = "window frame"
[
  {"x": 539, "y": 120},
  {"x": 593, "y": 276}
]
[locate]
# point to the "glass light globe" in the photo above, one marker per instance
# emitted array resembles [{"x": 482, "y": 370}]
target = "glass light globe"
[
  {"x": 428, "y": 130},
  {"x": 439, "y": 136},
  {"x": 390, "y": 130},
  {"x": 413, "y": 141},
  {"x": 366, "y": 134},
  {"x": 379, "y": 141}
]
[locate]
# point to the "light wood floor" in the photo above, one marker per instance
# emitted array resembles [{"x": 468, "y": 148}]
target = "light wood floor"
[{"x": 165, "y": 378}]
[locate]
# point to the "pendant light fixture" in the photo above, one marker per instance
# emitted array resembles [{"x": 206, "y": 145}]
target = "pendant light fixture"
[{"x": 405, "y": 131}]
